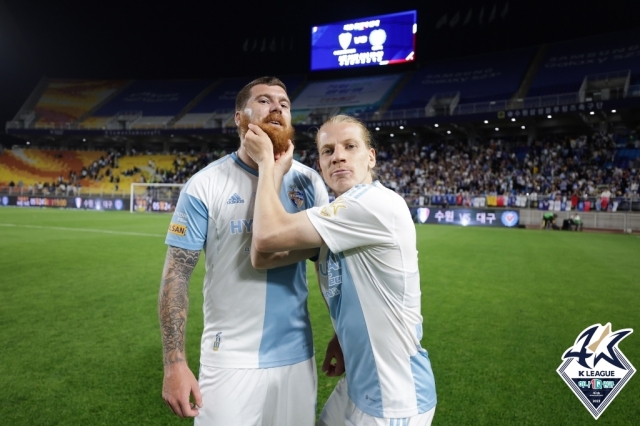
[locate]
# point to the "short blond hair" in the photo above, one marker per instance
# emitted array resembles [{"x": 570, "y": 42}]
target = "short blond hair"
[{"x": 364, "y": 132}]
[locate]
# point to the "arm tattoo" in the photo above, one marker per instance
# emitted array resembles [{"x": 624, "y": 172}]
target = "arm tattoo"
[{"x": 173, "y": 301}]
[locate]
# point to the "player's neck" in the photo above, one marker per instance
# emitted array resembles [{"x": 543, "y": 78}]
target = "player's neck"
[{"x": 246, "y": 159}]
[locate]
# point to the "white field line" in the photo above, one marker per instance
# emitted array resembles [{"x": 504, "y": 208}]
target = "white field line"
[{"x": 100, "y": 231}]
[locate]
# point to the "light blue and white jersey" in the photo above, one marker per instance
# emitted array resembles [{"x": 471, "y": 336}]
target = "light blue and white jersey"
[
  {"x": 370, "y": 279},
  {"x": 252, "y": 318}
]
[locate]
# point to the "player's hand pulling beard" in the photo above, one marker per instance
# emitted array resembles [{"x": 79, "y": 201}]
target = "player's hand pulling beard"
[{"x": 280, "y": 134}]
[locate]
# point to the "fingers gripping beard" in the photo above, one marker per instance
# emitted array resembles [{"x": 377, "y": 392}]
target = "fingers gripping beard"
[{"x": 280, "y": 134}]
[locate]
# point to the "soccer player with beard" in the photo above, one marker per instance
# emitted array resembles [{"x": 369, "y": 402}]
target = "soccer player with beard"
[{"x": 256, "y": 357}]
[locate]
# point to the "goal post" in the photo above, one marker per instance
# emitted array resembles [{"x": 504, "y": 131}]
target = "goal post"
[{"x": 154, "y": 197}]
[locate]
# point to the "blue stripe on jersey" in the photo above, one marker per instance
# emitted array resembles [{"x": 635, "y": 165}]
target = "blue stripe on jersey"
[
  {"x": 359, "y": 190},
  {"x": 243, "y": 165},
  {"x": 281, "y": 335},
  {"x": 424, "y": 381},
  {"x": 419, "y": 331},
  {"x": 195, "y": 212},
  {"x": 286, "y": 333},
  {"x": 362, "y": 372}
]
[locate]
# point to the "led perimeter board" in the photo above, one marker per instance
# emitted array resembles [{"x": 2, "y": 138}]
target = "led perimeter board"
[{"x": 379, "y": 40}]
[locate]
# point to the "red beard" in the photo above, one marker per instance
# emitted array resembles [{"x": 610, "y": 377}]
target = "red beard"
[{"x": 279, "y": 135}]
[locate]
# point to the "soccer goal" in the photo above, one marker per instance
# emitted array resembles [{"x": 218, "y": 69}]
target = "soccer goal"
[{"x": 154, "y": 197}]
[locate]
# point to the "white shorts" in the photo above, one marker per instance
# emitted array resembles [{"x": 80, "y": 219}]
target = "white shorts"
[
  {"x": 278, "y": 396},
  {"x": 339, "y": 410}
]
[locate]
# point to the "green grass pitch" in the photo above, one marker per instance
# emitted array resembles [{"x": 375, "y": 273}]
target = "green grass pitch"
[{"x": 80, "y": 341}]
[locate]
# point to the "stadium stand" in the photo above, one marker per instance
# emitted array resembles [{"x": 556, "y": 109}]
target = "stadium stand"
[
  {"x": 94, "y": 123},
  {"x": 477, "y": 79},
  {"x": 202, "y": 120},
  {"x": 147, "y": 104},
  {"x": 474, "y": 166},
  {"x": 566, "y": 172},
  {"x": 216, "y": 109},
  {"x": 355, "y": 96},
  {"x": 34, "y": 166},
  {"x": 572, "y": 170},
  {"x": 65, "y": 101},
  {"x": 107, "y": 171},
  {"x": 587, "y": 70},
  {"x": 568, "y": 65},
  {"x": 599, "y": 68}
]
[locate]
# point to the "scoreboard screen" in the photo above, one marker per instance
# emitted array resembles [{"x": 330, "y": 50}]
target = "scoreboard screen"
[{"x": 378, "y": 40}]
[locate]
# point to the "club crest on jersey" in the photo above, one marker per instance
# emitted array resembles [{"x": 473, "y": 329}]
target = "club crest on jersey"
[
  {"x": 594, "y": 367},
  {"x": 332, "y": 209},
  {"x": 296, "y": 196},
  {"x": 216, "y": 344}
]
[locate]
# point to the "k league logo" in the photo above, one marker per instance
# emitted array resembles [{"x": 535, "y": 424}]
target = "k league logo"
[{"x": 594, "y": 367}]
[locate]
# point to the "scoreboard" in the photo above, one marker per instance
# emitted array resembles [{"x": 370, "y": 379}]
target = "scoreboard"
[{"x": 378, "y": 40}]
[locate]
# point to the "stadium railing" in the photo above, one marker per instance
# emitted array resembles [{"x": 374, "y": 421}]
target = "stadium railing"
[
  {"x": 589, "y": 204},
  {"x": 391, "y": 114},
  {"x": 626, "y": 217},
  {"x": 69, "y": 192},
  {"x": 542, "y": 202},
  {"x": 489, "y": 106},
  {"x": 627, "y": 222}
]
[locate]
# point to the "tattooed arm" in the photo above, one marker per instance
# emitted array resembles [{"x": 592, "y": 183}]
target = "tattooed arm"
[{"x": 173, "y": 306}]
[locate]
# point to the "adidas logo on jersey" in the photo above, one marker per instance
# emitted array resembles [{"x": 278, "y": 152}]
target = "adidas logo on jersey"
[{"x": 235, "y": 199}]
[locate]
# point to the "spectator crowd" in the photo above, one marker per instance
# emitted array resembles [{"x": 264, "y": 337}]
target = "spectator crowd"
[{"x": 553, "y": 168}]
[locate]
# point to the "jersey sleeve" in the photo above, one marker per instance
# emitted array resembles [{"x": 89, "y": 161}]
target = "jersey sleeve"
[
  {"x": 350, "y": 222},
  {"x": 188, "y": 227}
]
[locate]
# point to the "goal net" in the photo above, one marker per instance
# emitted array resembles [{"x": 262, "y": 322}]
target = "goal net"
[{"x": 154, "y": 197}]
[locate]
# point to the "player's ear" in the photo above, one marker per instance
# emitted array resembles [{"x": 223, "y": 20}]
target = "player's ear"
[
  {"x": 372, "y": 158},
  {"x": 236, "y": 118}
]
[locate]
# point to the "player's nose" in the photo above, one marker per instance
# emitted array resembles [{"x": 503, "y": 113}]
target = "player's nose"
[
  {"x": 275, "y": 107},
  {"x": 338, "y": 155}
]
